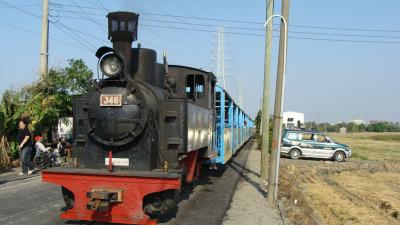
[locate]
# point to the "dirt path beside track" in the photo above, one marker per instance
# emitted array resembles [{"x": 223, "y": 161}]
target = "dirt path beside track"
[{"x": 249, "y": 204}]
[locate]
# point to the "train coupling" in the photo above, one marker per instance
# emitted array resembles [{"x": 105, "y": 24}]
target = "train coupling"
[{"x": 101, "y": 199}]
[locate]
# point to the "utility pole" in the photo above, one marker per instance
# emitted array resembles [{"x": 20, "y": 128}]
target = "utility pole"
[
  {"x": 279, "y": 97},
  {"x": 266, "y": 92},
  {"x": 44, "y": 45}
]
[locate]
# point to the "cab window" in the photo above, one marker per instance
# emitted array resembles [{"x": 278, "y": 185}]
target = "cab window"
[{"x": 195, "y": 86}]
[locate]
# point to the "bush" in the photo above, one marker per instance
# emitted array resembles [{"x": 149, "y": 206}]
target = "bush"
[{"x": 258, "y": 135}]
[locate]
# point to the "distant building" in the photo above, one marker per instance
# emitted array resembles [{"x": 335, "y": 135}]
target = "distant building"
[
  {"x": 292, "y": 120},
  {"x": 64, "y": 128},
  {"x": 375, "y": 121},
  {"x": 358, "y": 122}
]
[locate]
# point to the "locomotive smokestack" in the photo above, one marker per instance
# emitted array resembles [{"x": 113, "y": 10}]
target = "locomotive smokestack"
[{"x": 122, "y": 31}]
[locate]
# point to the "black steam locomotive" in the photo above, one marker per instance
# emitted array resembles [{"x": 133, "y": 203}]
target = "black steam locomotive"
[{"x": 140, "y": 133}]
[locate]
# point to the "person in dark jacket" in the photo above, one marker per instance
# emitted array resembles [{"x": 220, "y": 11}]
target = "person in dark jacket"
[{"x": 25, "y": 147}]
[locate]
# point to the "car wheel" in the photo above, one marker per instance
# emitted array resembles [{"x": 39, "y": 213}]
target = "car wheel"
[
  {"x": 339, "y": 157},
  {"x": 295, "y": 154}
]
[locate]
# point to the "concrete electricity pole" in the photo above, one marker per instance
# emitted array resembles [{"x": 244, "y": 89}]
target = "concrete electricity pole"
[
  {"x": 266, "y": 92},
  {"x": 44, "y": 46},
  {"x": 279, "y": 97}
]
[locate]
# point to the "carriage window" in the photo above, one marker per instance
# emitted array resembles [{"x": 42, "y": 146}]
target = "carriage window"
[{"x": 195, "y": 86}]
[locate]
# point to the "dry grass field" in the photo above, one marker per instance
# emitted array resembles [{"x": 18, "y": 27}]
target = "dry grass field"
[
  {"x": 363, "y": 190},
  {"x": 372, "y": 146}
]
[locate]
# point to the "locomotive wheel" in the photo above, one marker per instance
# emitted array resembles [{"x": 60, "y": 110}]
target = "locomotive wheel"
[
  {"x": 155, "y": 208},
  {"x": 69, "y": 197},
  {"x": 157, "y": 205}
]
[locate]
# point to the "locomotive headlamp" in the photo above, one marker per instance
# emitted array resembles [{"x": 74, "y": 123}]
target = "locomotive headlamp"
[{"x": 111, "y": 65}]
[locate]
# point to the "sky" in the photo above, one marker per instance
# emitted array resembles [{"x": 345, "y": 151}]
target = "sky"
[{"x": 342, "y": 55}]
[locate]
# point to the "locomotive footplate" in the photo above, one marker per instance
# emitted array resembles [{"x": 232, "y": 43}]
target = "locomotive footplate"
[
  {"x": 112, "y": 197},
  {"x": 100, "y": 199}
]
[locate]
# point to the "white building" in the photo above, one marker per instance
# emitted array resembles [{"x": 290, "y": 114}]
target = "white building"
[
  {"x": 358, "y": 122},
  {"x": 293, "y": 120},
  {"x": 64, "y": 128}
]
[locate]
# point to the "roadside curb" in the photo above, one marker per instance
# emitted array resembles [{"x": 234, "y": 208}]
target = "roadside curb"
[{"x": 17, "y": 178}]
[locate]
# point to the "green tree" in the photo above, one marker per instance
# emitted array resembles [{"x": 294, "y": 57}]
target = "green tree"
[
  {"x": 8, "y": 108},
  {"x": 362, "y": 127},
  {"x": 44, "y": 101},
  {"x": 258, "y": 130}
]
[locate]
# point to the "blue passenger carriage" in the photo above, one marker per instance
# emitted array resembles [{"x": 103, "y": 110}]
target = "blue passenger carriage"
[{"x": 233, "y": 127}]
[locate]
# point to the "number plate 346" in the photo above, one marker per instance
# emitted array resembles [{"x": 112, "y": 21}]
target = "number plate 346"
[{"x": 110, "y": 100}]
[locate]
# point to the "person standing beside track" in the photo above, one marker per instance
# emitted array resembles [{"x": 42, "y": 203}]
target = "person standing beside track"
[{"x": 25, "y": 147}]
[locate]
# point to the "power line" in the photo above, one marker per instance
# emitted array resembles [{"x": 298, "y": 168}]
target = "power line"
[
  {"x": 344, "y": 40},
  {"x": 345, "y": 28},
  {"x": 203, "y": 18},
  {"x": 222, "y": 20},
  {"x": 20, "y": 9},
  {"x": 38, "y": 34},
  {"x": 253, "y": 34},
  {"x": 261, "y": 23},
  {"x": 86, "y": 34},
  {"x": 78, "y": 35},
  {"x": 342, "y": 34},
  {"x": 261, "y": 29},
  {"x": 291, "y": 37},
  {"x": 183, "y": 56},
  {"x": 101, "y": 5},
  {"x": 90, "y": 18},
  {"x": 74, "y": 6},
  {"x": 203, "y": 25},
  {"x": 177, "y": 19},
  {"x": 173, "y": 39},
  {"x": 81, "y": 41},
  {"x": 92, "y": 36},
  {"x": 27, "y": 5}
]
